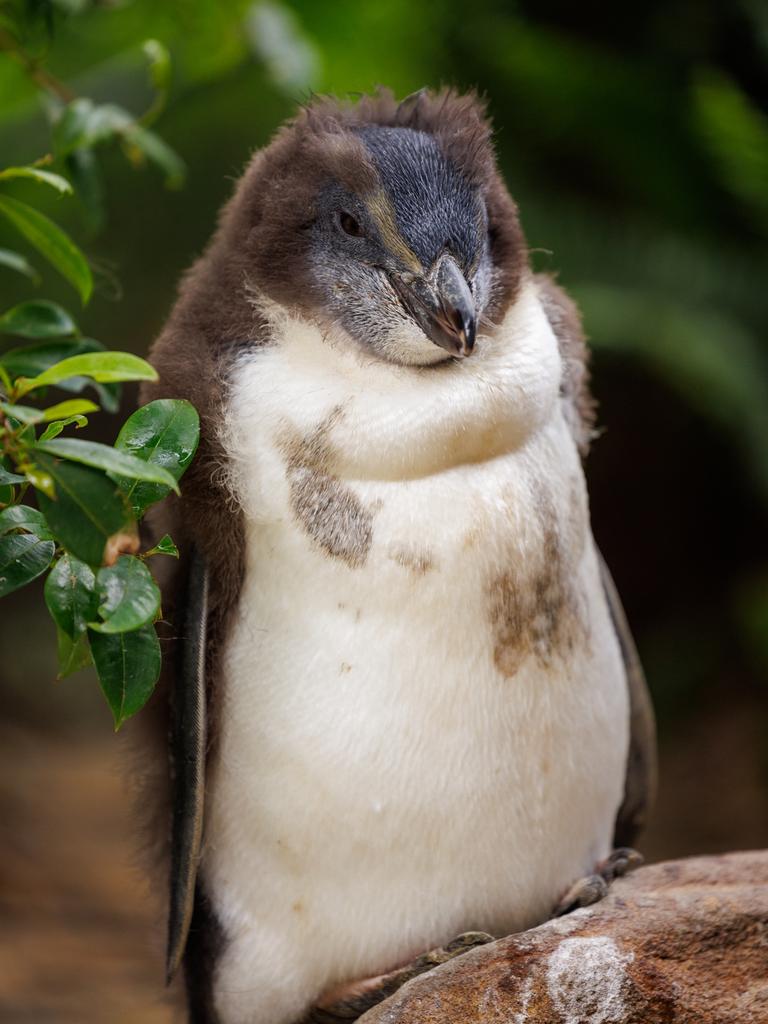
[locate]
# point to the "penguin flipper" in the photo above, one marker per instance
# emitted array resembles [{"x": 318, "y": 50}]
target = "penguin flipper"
[
  {"x": 579, "y": 410},
  {"x": 188, "y": 738},
  {"x": 640, "y": 781}
]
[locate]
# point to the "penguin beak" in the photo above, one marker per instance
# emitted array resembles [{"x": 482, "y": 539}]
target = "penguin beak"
[{"x": 442, "y": 305}]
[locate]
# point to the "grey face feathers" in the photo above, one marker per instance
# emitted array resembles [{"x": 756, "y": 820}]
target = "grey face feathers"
[
  {"x": 387, "y": 220},
  {"x": 408, "y": 260}
]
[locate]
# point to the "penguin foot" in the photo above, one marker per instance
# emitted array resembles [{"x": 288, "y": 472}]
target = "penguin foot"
[
  {"x": 348, "y": 1002},
  {"x": 593, "y": 888},
  {"x": 623, "y": 860}
]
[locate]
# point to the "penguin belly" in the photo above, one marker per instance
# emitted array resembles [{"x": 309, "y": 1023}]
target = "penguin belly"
[
  {"x": 421, "y": 733},
  {"x": 423, "y": 721}
]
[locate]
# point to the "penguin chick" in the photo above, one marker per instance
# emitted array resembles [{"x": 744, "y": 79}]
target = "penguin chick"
[{"x": 424, "y": 711}]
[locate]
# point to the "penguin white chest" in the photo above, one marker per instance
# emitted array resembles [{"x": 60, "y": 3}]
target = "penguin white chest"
[{"x": 424, "y": 721}]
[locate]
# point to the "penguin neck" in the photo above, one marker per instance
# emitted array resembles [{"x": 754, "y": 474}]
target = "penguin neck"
[{"x": 379, "y": 421}]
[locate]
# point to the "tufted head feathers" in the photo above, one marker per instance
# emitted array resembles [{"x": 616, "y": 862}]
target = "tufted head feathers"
[{"x": 386, "y": 220}]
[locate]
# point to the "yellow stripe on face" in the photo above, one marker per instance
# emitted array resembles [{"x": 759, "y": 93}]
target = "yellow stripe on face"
[{"x": 380, "y": 208}]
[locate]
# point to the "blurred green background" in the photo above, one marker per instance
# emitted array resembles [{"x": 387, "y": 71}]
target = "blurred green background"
[{"x": 636, "y": 145}]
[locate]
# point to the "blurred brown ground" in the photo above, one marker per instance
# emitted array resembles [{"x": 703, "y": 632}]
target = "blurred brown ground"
[{"x": 79, "y": 938}]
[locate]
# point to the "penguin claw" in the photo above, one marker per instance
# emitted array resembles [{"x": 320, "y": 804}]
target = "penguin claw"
[
  {"x": 623, "y": 860},
  {"x": 582, "y": 893},
  {"x": 593, "y": 888},
  {"x": 353, "y": 1000}
]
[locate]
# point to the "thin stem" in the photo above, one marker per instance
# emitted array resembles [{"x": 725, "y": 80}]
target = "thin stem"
[{"x": 42, "y": 78}]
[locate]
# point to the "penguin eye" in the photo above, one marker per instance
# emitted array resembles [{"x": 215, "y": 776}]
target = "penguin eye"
[{"x": 349, "y": 225}]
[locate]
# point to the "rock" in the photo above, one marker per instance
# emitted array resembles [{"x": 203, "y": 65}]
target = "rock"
[{"x": 682, "y": 942}]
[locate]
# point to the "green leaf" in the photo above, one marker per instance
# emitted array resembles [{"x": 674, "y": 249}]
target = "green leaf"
[
  {"x": 275, "y": 34},
  {"x": 159, "y": 153},
  {"x": 15, "y": 261},
  {"x": 23, "y": 557},
  {"x": 112, "y": 460},
  {"x": 159, "y": 64},
  {"x": 53, "y": 243},
  {"x": 71, "y": 129},
  {"x": 38, "y": 318},
  {"x": 22, "y": 517},
  {"x": 73, "y": 654},
  {"x": 128, "y": 594},
  {"x": 128, "y": 666},
  {"x": 22, "y": 413},
  {"x": 40, "y": 480},
  {"x": 55, "y": 428},
  {"x": 164, "y": 546},
  {"x": 71, "y": 595},
  {"x": 108, "y": 394},
  {"x": 735, "y": 130},
  {"x": 100, "y": 366},
  {"x": 164, "y": 433},
  {"x": 85, "y": 172},
  {"x": 9, "y": 478},
  {"x": 87, "y": 511},
  {"x": 43, "y": 177},
  {"x": 83, "y": 125},
  {"x": 26, "y": 435},
  {"x": 30, "y": 360},
  {"x": 72, "y": 407}
]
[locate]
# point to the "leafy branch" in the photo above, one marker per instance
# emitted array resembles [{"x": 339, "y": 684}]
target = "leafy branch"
[{"x": 89, "y": 497}]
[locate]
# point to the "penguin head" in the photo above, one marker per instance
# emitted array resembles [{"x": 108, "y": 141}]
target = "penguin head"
[{"x": 388, "y": 221}]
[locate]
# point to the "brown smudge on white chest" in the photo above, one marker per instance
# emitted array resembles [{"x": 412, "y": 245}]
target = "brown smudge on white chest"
[
  {"x": 535, "y": 608},
  {"x": 417, "y": 560},
  {"x": 328, "y": 510}
]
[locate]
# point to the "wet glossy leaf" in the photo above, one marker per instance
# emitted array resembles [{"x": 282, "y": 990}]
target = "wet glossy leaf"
[
  {"x": 128, "y": 666},
  {"x": 100, "y": 366},
  {"x": 53, "y": 243},
  {"x": 22, "y": 517},
  {"x": 15, "y": 261},
  {"x": 164, "y": 433},
  {"x": 42, "y": 177},
  {"x": 38, "y": 318},
  {"x": 129, "y": 596},
  {"x": 73, "y": 654},
  {"x": 71, "y": 595},
  {"x": 112, "y": 460},
  {"x": 23, "y": 557},
  {"x": 87, "y": 510}
]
